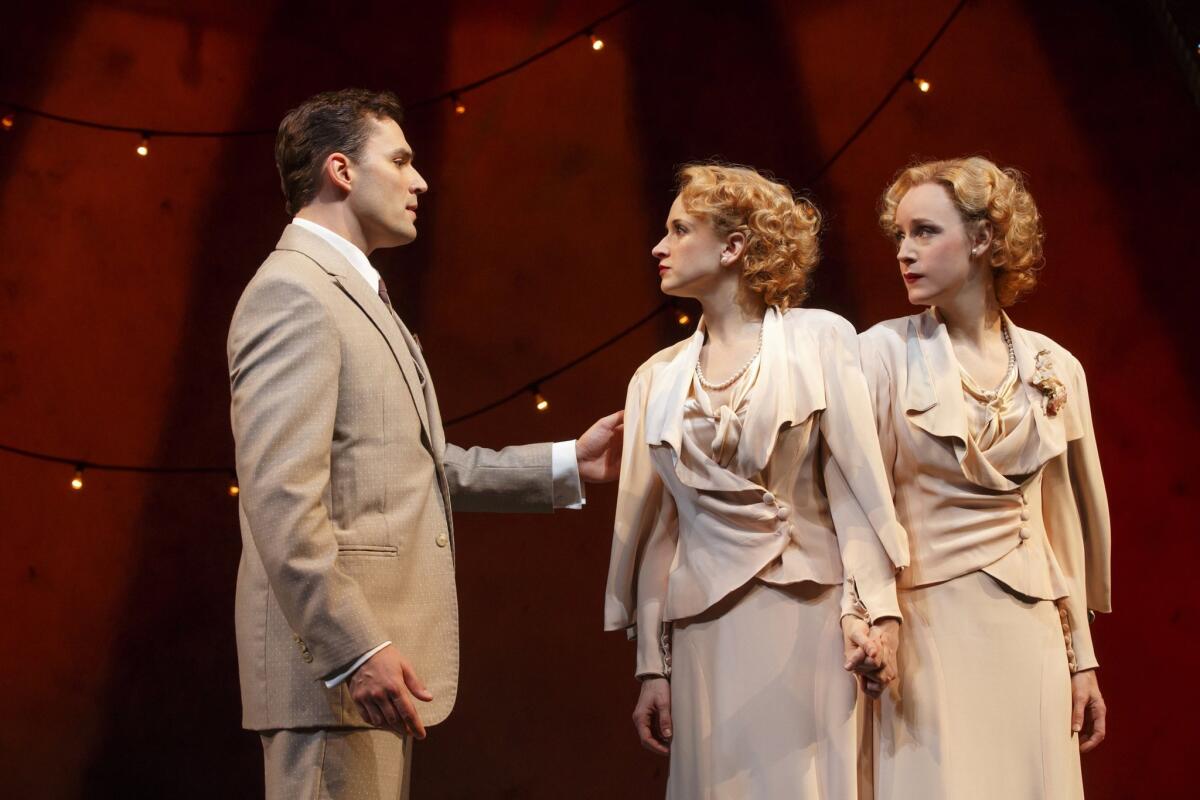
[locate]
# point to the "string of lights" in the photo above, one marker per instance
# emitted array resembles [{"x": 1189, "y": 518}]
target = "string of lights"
[
  {"x": 534, "y": 388},
  {"x": 454, "y": 95}
]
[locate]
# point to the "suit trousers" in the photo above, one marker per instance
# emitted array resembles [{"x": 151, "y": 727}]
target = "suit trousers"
[{"x": 336, "y": 764}]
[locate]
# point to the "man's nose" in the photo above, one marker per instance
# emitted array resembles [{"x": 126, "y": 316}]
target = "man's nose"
[{"x": 419, "y": 185}]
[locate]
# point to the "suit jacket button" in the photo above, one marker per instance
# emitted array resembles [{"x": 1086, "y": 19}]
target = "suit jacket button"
[
  {"x": 307, "y": 657},
  {"x": 1024, "y": 514},
  {"x": 768, "y": 498},
  {"x": 442, "y": 540},
  {"x": 784, "y": 512},
  {"x": 1024, "y": 534}
]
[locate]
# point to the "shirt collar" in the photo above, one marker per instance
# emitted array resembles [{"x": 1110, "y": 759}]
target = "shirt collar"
[{"x": 357, "y": 258}]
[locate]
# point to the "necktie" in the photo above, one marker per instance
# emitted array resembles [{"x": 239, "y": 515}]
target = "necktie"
[{"x": 387, "y": 301}]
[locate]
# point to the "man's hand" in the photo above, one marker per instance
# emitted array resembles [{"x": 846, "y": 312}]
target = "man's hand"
[
  {"x": 381, "y": 688},
  {"x": 652, "y": 716},
  {"x": 1085, "y": 697},
  {"x": 598, "y": 451}
]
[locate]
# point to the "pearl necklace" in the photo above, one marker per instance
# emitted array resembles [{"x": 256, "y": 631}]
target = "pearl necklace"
[
  {"x": 989, "y": 396},
  {"x": 718, "y": 387}
]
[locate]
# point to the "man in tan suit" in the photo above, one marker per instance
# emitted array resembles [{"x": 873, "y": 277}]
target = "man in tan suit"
[{"x": 346, "y": 607}]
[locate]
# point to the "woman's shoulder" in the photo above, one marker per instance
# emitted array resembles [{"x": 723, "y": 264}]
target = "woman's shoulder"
[
  {"x": 664, "y": 356},
  {"x": 816, "y": 321},
  {"x": 890, "y": 333},
  {"x": 1041, "y": 341}
]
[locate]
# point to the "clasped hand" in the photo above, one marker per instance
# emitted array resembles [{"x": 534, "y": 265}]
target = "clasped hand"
[{"x": 870, "y": 652}]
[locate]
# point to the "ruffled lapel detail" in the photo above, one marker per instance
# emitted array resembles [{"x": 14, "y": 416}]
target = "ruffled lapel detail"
[
  {"x": 933, "y": 399},
  {"x": 789, "y": 388}
]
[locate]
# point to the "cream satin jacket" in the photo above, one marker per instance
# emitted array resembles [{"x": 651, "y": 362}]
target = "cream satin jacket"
[
  {"x": 804, "y": 498},
  {"x": 1045, "y": 533}
]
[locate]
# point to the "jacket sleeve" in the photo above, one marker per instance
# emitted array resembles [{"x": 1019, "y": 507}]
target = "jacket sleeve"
[
  {"x": 510, "y": 480},
  {"x": 872, "y": 542},
  {"x": 1075, "y": 511},
  {"x": 645, "y": 532},
  {"x": 284, "y": 363}
]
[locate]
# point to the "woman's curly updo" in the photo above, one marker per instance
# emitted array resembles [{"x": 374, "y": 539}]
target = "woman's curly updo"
[
  {"x": 780, "y": 229},
  {"x": 983, "y": 192}
]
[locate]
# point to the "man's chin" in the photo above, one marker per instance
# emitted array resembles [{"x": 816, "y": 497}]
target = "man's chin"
[{"x": 401, "y": 237}]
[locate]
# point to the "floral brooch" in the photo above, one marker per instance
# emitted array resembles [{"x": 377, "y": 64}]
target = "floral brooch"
[{"x": 1046, "y": 382}]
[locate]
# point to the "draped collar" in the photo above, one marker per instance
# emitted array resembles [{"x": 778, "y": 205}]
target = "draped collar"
[
  {"x": 789, "y": 388},
  {"x": 933, "y": 397}
]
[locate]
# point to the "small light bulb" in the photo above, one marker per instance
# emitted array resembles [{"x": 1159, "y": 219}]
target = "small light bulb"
[
  {"x": 923, "y": 84},
  {"x": 597, "y": 42},
  {"x": 540, "y": 402},
  {"x": 234, "y": 491},
  {"x": 8, "y": 122},
  {"x": 143, "y": 149},
  {"x": 459, "y": 106},
  {"x": 77, "y": 481},
  {"x": 682, "y": 317}
]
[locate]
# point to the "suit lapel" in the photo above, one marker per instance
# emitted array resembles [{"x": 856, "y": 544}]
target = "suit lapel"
[{"x": 349, "y": 281}]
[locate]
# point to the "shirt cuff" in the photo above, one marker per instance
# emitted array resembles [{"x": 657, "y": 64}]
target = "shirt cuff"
[
  {"x": 339, "y": 679},
  {"x": 564, "y": 467}
]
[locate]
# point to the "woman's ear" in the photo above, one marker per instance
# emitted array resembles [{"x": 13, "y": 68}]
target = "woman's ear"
[
  {"x": 982, "y": 239},
  {"x": 735, "y": 245}
]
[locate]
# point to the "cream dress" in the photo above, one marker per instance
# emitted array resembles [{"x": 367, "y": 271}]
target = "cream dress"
[
  {"x": 761, "y": 705},
  {"x": 747, "y": 522},
  {"x": 982, "y": 708}
]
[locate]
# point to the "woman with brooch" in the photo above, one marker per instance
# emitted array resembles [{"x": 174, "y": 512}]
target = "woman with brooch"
[
  {"x": 987, "y": 437},
  {"x": 755, "y": 544}
]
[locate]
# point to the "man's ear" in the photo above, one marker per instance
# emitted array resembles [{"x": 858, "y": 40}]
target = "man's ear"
[
  {"x": 735, "y": 246},
  {"x": 337, "y": 171}
]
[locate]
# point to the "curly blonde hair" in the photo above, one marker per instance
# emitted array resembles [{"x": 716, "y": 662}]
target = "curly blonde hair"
[
  {"x": 983, "y": 193},
  {"x": 780, "y": 229}
]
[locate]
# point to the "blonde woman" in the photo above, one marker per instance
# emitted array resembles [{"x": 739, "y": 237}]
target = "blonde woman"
[
  {"x": 987, "y": 437},
  {"x": 753, "y": 513}
]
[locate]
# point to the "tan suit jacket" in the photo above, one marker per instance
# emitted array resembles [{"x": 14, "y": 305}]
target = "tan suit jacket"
[
  {"x": 1046, "y": 536},
  {"x": 346, "y": 486},
  {"x": 804, "y": 499}
]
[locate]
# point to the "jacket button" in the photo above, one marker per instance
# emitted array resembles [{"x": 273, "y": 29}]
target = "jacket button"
[
  {"x": 442, "y": 540},
  {"x": 1024, "y": 534},
  {"x": 768, "y": 498},
  {"x": 307, "y": 657},
  {"x": 1024, "y": 515},
  {"x": 784, "y": 512}
]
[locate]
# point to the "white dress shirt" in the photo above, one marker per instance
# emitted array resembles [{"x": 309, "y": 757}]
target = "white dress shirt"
[{"x": 568, "y": 488}]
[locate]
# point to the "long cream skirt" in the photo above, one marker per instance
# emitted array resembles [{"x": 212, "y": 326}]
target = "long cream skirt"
[
  {"x": 762, "y": 708},
  {"x": 983, "y": 705}
]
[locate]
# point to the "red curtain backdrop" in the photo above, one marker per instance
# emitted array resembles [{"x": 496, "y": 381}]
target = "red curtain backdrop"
[{"x": 118, "y": 276}]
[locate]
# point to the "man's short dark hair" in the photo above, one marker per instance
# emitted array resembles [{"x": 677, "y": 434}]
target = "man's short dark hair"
[{"x": 327, "y": 123}]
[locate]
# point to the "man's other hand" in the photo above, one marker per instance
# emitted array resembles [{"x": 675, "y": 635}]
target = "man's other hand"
[{"x": 383, "y": 688}]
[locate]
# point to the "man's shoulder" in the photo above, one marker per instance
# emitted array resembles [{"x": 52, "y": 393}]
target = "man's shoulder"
[{"x": 287, "y": 273}]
